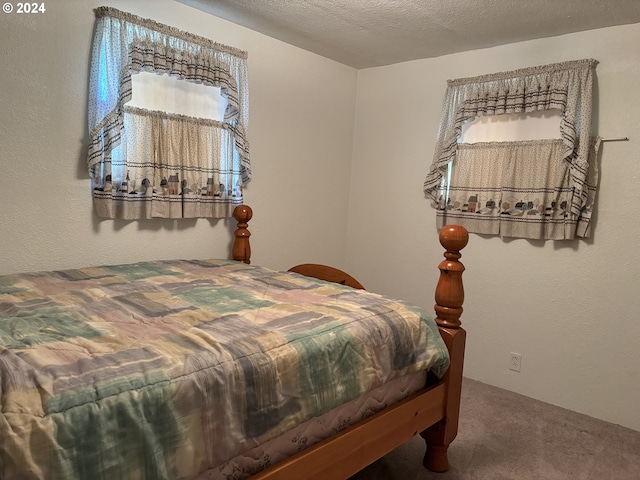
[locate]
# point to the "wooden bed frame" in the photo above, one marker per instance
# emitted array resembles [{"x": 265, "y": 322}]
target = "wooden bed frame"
[{"x": 432, "y": 412}]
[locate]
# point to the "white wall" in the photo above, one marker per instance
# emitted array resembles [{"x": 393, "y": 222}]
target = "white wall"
[
  {"x": 572, "y": 309},
  {"x": 301, "y": 132}
]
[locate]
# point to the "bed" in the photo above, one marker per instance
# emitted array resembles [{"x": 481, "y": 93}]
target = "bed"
[{"x": 221, "y": 369}]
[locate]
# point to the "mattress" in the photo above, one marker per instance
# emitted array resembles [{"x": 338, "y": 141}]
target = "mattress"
[
  {"x": 172, "y": 369},
  {"x": 317, "y": 429}
]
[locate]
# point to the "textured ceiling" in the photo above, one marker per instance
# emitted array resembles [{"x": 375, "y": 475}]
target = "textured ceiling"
[{"x": 368, "y": 33}]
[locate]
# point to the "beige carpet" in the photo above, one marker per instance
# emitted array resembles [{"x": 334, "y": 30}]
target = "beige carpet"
[{"x": 506, "y": 436}]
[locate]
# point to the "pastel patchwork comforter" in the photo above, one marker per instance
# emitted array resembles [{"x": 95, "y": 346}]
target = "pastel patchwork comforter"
[{"x": 168, "y": 369}]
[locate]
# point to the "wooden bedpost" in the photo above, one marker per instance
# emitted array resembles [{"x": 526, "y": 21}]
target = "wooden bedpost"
[
  {"x": 448, "y": 307},
  {"x": 241, "y": 245}
]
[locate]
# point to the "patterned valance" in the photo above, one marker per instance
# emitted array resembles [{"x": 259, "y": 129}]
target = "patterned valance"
[
  {"x": 566, "y": 87},
  {"x": 127, "y": 143}
]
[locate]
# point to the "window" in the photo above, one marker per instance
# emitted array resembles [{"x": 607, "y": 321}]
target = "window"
[
  {"x": 168, "y": 121},
  {"x": 151, "y": 91},
  {"x": 542, "y": 187},
  {"x": 512, "y": 127}
]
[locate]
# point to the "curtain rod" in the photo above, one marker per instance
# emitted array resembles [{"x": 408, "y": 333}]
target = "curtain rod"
[{"x": 615, "y": 139}]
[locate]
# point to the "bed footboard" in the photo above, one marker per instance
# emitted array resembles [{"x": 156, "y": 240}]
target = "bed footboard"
[{"x": 448, "y": 307}]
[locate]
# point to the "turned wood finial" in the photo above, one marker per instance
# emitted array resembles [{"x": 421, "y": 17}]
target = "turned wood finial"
[
  {"x": 449, "y": 291},
  {"x": 241, "y": 245}
]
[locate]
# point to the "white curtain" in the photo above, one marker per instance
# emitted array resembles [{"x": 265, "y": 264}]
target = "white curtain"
[
  {"x": 145, "y": 163},
  {"x": 569, "y": 167},
  {"x": 516, "y": 189}
]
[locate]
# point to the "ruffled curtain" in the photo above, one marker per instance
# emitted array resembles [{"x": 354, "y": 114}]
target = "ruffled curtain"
[
  {"x": 563, "y": 86},
  {"x": 134, "y": 154}
]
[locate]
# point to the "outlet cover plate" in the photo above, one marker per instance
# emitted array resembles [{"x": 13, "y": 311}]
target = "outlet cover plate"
[{"x": 515, "y": 361}]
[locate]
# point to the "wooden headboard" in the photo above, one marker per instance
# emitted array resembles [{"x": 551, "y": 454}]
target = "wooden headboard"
[{"x": 241, "y": 246}]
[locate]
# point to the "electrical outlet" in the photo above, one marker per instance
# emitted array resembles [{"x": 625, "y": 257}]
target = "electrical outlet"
[{"x": 515, "y": 361}]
